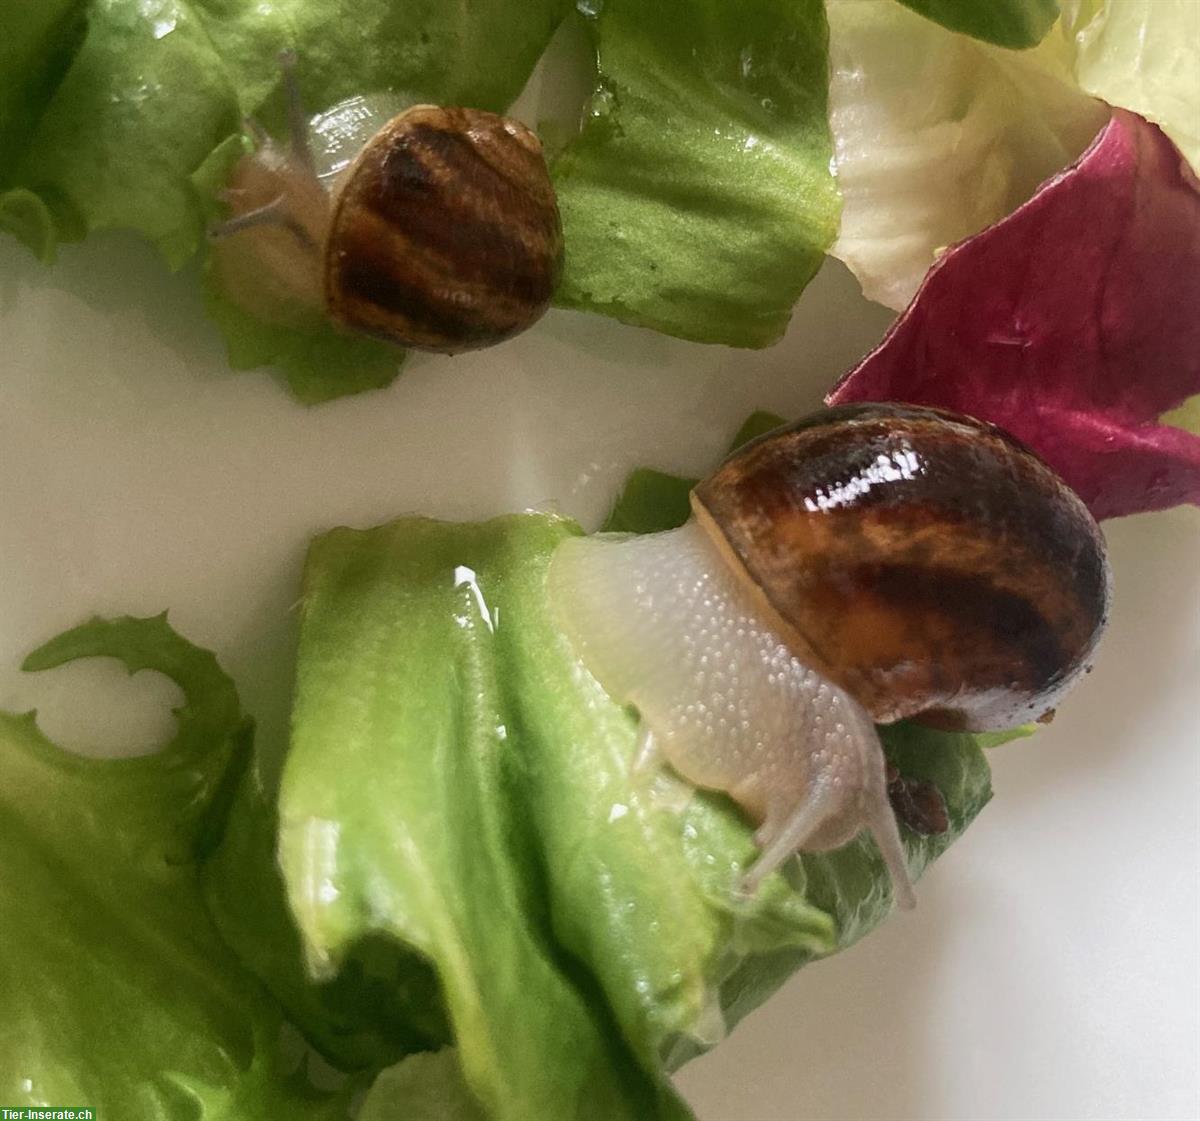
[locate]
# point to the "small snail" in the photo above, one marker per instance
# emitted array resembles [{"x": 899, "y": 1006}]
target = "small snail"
[
  {"x": 443, "y": 233},
  {"x": 866, "y": 564}
]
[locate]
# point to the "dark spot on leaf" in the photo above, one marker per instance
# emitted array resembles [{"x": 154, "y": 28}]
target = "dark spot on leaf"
[{"x": 918, "y": 805}]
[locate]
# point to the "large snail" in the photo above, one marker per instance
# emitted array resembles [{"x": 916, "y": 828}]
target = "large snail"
[
  {"x": 863, "y": 565},
  {"x": 443, "y": 234}
]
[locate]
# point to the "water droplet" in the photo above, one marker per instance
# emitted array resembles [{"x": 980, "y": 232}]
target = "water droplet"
[{"x": 603, "y": 102}]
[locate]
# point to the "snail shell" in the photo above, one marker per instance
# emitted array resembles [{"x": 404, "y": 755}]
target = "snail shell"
[
  {"x": 446, "y": 233},
  {"x": 927, "y": 562},
  {"x": 443, "y": 234}
]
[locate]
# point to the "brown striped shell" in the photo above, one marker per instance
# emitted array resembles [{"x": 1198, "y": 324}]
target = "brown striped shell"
[
  {"x": 445, "y": 232},
  {"x": 928, "y": 563}
]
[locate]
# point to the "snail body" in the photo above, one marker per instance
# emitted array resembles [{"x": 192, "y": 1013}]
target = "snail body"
[
  {"x": 663, "y": 624},
  {"x": 866, "y": 564},
  {"x": 442, "y": 234}
]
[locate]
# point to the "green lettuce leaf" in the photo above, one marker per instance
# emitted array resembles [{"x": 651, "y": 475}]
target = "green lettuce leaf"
[
  {"x": 395, "y": 813},
  {"x": 458, "y": 783},
  {"x": 698, "y": 198},
  {"x": 426, "y": 1087},
  {"x": 1007, "y": 23},
  {"x": 383, "y": 1004},
  {"x": 652, "y": 500},
  {"x": 1187, "y": 416},
  {"x": 142, "y": 102},
  {"x": 1142, "y": 55},
  {"x": 35, "y": 51},
  {"x": 937, "y": 137},
  {"x": 118, "y": 993},
  {"x": 131, "y": 124},
  {"x": 648, "y": 499},
  {"x": 318, "y": 362}
]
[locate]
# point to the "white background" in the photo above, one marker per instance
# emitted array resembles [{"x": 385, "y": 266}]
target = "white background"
[{"x": 1051, "y": 968}]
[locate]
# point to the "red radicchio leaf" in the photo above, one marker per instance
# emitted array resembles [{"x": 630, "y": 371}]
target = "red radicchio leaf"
[{"x": 1074, "y": 323}]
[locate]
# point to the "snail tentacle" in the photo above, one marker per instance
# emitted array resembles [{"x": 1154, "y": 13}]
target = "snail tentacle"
[
  {"x": 301, "y": 150},
  {"x": 783, "y": 840},
  {"x": 269, "y": 214},
  {"x": 886, "y": 832},
  {"x": 647, "y": 755}
]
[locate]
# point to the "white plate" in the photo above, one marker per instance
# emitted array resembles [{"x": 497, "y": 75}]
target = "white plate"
[{"x": 1051, "y": 968}]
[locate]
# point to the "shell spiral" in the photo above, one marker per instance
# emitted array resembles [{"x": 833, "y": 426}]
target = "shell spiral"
[{"x": 927, "y": 562}]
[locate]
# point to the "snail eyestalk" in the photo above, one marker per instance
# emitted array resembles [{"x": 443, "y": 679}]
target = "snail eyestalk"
[
  {"x": 646, "y": 756},
  {"x": 268, "y": 253},
  {"x": 663, "y": 624},
  {"x": 297, "y": 119},
  {"x": 270, "y": 213}
]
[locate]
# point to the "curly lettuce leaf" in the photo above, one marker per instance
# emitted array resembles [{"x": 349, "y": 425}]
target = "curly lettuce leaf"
[
  {"x": 698, "y": 198},
  {"x": 129, "y": 125},
  {"x": 1007, "y": 23},
  {"x": 1142, "y": 55},
  {"x": 1072, "y": 324},
  {"x": 937, "y": 137},
  {"x": 118, "y": 992}
]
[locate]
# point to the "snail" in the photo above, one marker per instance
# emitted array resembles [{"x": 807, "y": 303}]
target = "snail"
[
  {"x": 442, "y": 234},
  {"x": 866, "y": 564}
]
